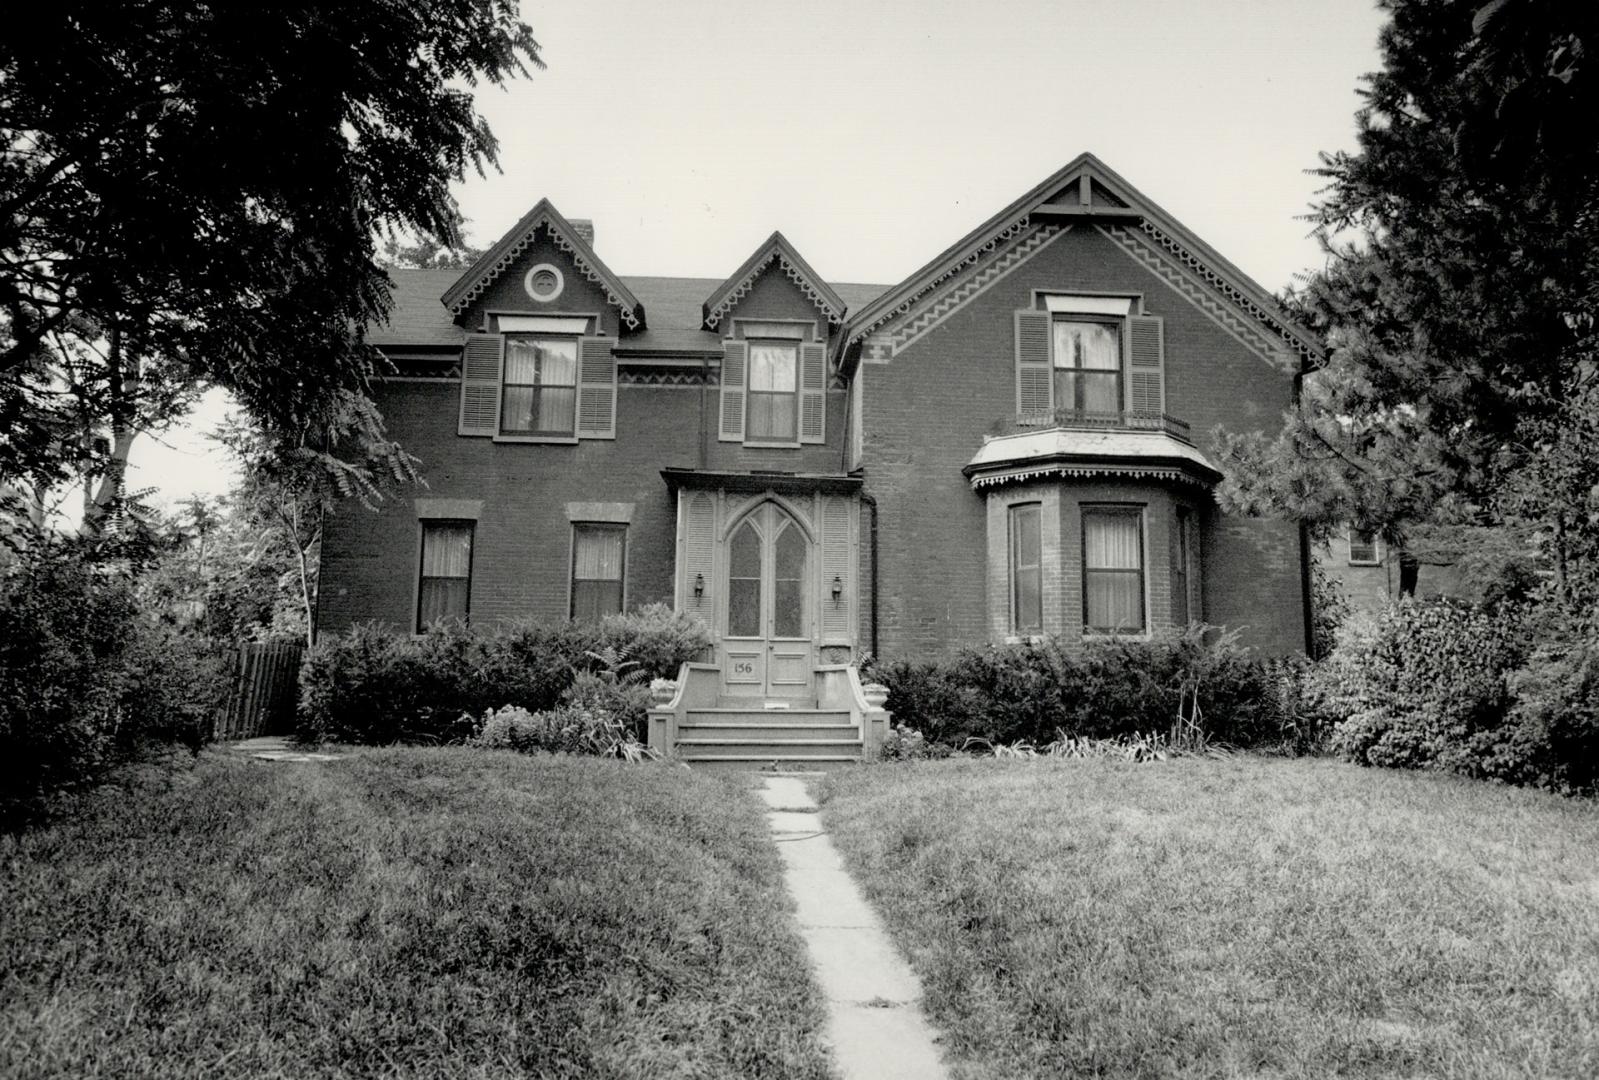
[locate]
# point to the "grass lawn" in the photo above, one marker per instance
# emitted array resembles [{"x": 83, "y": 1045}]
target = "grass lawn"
[
  {"x": 428, "y": 913},
  {"x": 1243, "y": 917}
]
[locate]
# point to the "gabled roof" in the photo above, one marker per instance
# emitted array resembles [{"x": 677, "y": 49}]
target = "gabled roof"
[
  {"x": 777, "y": 247},
  {"x": 1088, "y": 190},
  {"x": 420, "y": 320},
  {"x": 505, "y": 251}
]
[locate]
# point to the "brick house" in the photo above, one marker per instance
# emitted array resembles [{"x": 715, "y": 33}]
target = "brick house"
[{"x": 1006, "y": 444}]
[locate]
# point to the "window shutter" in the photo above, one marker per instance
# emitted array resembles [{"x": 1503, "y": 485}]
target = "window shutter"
[
  {"x": 734, "y": 363},
  {"x": 480, "y": 384},
  {"x": 596, "y": 388},
  {"x": 1146, "y": 365},
  {"x": 813, "y": 392},
  {"x": 699, "y": 557},
  {"x": 1035, "y": 383},
  {"x": 836, "y": 562}
]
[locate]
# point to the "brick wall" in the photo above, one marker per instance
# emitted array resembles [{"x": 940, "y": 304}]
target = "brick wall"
[
  {"x": 522, "y": 550},
  {"x": 926, "y": 411}
]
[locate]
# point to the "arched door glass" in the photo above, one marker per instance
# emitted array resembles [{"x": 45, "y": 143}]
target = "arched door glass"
[
  {"x": 744, "y": 582},
  {"x": 788, "y": 582}
]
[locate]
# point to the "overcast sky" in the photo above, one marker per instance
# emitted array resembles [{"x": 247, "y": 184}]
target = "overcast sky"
[{"x": 874, "y": 134}]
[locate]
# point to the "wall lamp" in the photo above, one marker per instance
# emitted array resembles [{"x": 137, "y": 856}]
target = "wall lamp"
[
  {"x": 838, "y": 589},
  {"x": 699, "y": 586}
]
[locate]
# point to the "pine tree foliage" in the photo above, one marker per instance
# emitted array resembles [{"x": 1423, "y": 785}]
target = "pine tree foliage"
[{"x": 1459, "y": 293}]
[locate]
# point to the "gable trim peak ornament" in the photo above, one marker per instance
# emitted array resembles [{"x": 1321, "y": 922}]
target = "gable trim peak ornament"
[
  {"x": 505, "y": 253},
  {"x": 1121, "y": 205},
  {"x": 721, "y": 303}
]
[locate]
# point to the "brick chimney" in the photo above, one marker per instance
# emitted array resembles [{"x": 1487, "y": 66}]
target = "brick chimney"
[{"x": 584, "y": 228}]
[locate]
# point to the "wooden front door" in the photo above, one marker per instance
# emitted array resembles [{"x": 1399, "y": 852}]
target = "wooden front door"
[{"x": 767, "y": 648}]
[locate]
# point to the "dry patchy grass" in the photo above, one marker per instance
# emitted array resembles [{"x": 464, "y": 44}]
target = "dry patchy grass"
[
  {"x": 437, "y": 913},
  {"x": 1243, "y": 917}
]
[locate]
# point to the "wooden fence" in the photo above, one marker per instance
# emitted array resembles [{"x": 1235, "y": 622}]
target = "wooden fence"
[{"x": 265, "y": 690}]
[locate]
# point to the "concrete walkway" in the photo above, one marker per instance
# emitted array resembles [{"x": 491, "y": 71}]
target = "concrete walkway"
[
  {"x": 277, "y": 748},
  {"x": 874, "y": 1020}
]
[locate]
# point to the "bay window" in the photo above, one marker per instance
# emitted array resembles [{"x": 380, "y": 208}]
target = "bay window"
[
  {"x": 1113, "y": 570},
  {"x": 1026, "y": 569}
]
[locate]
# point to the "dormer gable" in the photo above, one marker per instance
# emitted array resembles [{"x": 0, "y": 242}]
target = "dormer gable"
[
  {"x": 507, "y": 253},
  {"x": 779, "y": 255}
]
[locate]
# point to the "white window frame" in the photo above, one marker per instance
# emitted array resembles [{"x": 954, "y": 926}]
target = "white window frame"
[
  {"x": 534, "y": 435},
  {"x": 750, "y": 345},
  {"x": 1141, "y": 512},
  {"x": 571, "y": 563},
  {"x": 1376, "y": 549}
]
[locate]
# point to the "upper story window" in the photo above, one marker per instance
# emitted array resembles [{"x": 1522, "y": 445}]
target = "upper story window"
[
  {"x": 1088, "y": 364},
  {"x": 1097, "y": 358},
  {"x": 773, "y": 392},
  {"x": 1363, "y": 548},
  {"x": 1113, "y": 570},
  {"x": 540, "y": 388},
  {"x": 774, "y": 384},
  {"x": 444, "y": 588}
]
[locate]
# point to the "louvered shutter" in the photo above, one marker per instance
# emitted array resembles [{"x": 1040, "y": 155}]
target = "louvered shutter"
[
  {"x": 735, "y": 357},
  {"x": 596, "y": 388},
  {"x": 1146, "y": 365},
  {"x": 813, "y": 392},
  {"x": 480, "y": 384},
  {"x": 699, "y": 557},
  {"x": 1034, "y": 380},
  {"x": 836, "y": 563}
]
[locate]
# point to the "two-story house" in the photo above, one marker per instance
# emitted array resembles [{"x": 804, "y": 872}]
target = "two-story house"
[{"x": 1007, "y": 444}]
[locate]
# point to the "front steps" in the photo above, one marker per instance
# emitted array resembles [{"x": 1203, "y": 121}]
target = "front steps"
[{"x": 750, "y": 736}]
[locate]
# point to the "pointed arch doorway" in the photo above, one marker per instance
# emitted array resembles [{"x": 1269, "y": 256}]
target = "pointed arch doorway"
[{"x": 768, "y": 618}]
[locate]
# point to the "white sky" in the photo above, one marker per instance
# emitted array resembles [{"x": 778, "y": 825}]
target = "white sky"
[{"x": 876, "y": 133}]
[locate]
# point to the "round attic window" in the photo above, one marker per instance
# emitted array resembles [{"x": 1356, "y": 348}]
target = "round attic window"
[{"x": 543, "y": 283}]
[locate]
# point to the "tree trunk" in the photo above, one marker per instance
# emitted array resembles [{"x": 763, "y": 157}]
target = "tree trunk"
[{"x": 113, "y": 481}]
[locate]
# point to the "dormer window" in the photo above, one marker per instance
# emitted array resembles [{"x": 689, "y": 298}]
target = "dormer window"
[
  {"x": 773, "y": 392},
  {"x": 540, "y": 389}
]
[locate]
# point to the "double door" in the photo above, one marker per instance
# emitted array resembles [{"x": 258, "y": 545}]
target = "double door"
[{"x": 767, "y": 648}]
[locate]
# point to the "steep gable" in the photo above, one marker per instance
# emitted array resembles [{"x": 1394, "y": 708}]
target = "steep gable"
[
  {"x": 1085, "y": 193},
  {"x": 506, "y": 252},
  {"x": 775, "y": 254}
]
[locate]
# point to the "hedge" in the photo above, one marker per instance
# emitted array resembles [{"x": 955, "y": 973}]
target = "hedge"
[{"x": 377, "y": 684}]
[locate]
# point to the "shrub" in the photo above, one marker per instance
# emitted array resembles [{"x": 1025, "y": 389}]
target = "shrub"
[
  {"x": 86, "y": 679},
  {"x": 906, "y": 744},
  {"x": 1420, "y": 684},
  {"x": 566, "y": 729},
  {"x": 1199, "y": 680},
  {"x": 657, "y": 638},
  {"x": 1550, "y": 737},
  {"x": 377, "y": 684}
]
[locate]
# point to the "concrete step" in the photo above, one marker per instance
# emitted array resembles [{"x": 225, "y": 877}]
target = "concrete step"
[
  {"x": 757, "y": 703},
  {"x": 767, "y": 716},
  {"x": 767, "y": 749},
  {"x": 770, "y": 764},
  {"x": 769, "y": 731}
]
